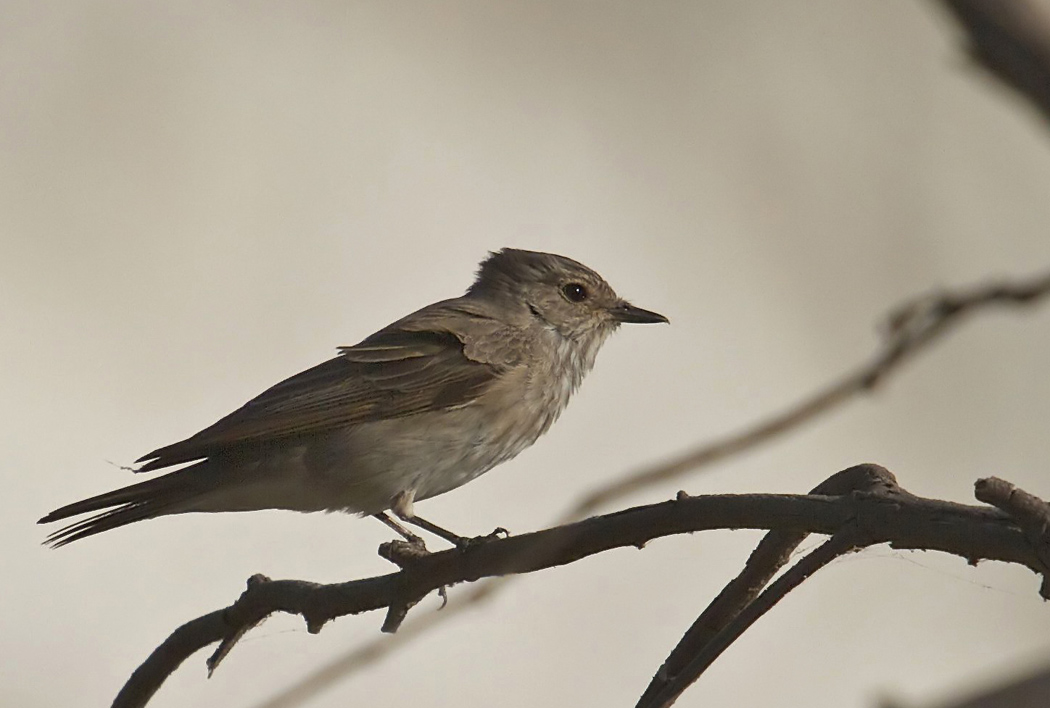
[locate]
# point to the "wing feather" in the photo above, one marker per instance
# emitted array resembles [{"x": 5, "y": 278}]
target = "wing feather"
[{"x": 395, "y": 372}]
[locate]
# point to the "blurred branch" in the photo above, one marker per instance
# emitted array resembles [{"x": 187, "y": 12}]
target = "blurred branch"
[
  {"x": 1011, "y": 39},
  {"x": 894, "y": 517},
  {"x": 910, "y": 328},
  {"x": 1028, "y": 691}
]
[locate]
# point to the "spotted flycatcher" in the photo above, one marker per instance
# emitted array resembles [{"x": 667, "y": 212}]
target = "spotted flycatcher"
[{"x": 421, "y": 407}]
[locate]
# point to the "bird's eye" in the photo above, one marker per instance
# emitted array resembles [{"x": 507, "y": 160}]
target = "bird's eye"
[{"x": 574, "y": 292}]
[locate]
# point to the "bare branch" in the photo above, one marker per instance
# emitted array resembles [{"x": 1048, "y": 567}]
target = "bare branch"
[
  {"x": 904, "y": 521},
  {"x": 684, "y": 664},
  {"x": 668, "y": 691},
  {"x": 735, "y": 609}
]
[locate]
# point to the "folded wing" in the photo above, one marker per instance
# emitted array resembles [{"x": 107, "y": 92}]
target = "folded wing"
[{"x": 395, "y": 372}]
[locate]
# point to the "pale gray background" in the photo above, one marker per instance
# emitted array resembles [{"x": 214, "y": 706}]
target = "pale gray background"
[{"x": 198, "y": 199}]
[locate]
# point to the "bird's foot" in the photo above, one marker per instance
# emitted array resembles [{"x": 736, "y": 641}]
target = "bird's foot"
[
  {"x": 403, "y": 553},
  {"x": 405, "y": 550},
  {"x": 464, "y": 542}
]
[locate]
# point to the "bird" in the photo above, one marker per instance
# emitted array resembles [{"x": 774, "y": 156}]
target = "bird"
[{"x": 421, "y": 407}]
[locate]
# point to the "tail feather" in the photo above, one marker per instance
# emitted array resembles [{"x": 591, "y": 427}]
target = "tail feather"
[
  {"x": 145, "y": 500},
  {"x": 104, "y": 521},
  {"x": 126, "y": 495}
]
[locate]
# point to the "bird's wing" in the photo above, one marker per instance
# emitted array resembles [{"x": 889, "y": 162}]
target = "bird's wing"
[{"x": 396, "y": 372}]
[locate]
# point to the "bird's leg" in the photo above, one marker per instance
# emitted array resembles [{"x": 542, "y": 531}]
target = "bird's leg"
[
  {"x": 403, "y": 508},
  {"x": 400, "y": 530}
]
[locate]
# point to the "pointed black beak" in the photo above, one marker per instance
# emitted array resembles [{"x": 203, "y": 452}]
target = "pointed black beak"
[{"x": 626, "y": 312}]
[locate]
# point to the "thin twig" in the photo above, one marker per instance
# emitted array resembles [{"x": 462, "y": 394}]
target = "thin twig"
[{"x": 910, "y": 328}]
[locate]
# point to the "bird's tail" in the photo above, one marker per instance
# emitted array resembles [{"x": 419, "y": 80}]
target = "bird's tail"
[{"x": 155, "y": 497}]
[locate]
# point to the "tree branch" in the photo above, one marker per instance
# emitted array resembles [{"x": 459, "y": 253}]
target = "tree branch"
[
  {"x": 903, "y": 520},
  {"x": 736, "y": 608}
]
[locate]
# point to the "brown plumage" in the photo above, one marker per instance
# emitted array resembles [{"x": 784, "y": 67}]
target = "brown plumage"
[{"x": 418, "y": 408}]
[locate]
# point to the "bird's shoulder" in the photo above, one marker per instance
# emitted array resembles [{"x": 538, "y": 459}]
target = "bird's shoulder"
[{"x": 490, "y": 333}]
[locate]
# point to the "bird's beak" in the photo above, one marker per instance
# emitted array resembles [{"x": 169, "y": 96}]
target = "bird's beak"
[{"x": 626, "y": 312}]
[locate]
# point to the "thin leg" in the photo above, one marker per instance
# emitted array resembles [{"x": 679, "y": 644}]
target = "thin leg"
[
  {"x": 401, "y": 530},
  {"x": 403, "y": 508},
  {"x": 454, "y": 539}
]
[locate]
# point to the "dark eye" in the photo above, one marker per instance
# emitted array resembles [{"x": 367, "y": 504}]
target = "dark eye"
[{"x": 574, "y": 292}]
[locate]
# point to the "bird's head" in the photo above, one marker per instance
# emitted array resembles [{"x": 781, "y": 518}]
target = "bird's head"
[{"x": 564, "y": 294}]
